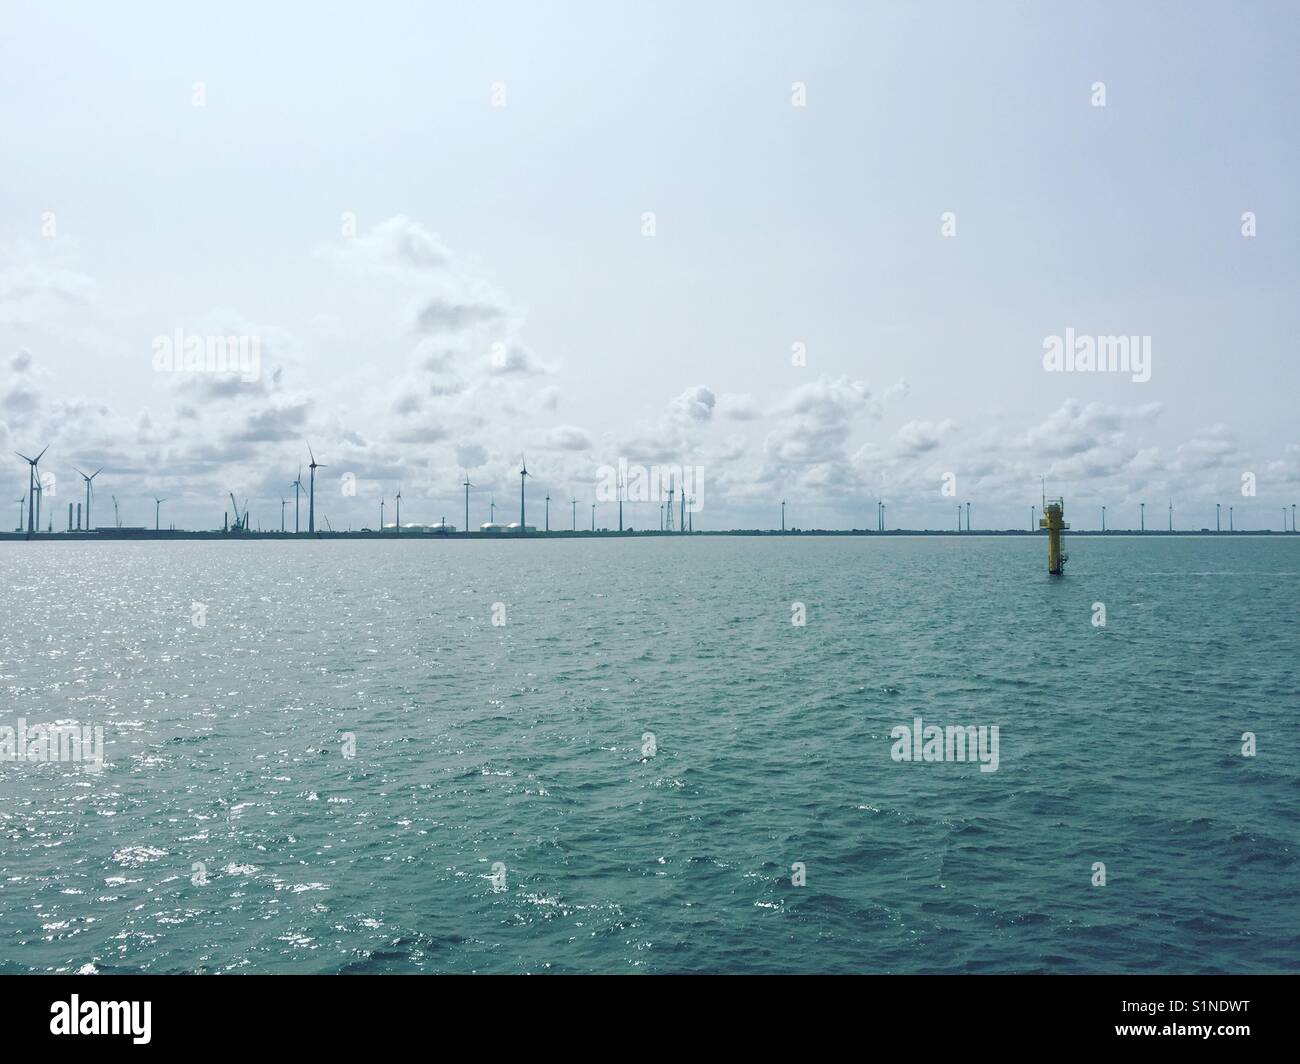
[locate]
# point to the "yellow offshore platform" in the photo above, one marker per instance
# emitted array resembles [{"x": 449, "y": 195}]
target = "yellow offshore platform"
[{"x": 1053, "y": 520}]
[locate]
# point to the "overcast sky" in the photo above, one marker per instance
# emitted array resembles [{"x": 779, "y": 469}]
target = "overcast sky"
[{"x": 433, "y": 218}]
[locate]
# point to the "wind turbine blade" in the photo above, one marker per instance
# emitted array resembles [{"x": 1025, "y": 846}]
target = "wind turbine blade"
[
  {"x": 23, "y": 457},
  {"x": 42, "y": 454}
]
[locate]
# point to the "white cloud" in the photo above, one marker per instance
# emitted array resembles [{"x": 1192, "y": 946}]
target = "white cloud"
[{"x": 567, "y": 438}]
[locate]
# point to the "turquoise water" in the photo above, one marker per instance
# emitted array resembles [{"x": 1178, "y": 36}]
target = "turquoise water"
[{"x": 523, "y": 744}]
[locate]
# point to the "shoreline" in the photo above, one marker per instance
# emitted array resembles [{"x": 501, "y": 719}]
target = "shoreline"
[{"x": 182, "y": 534}]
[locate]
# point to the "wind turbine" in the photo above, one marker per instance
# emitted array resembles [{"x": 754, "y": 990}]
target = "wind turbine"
[
  {"x": 593, "y": 517},
  {"x": 381, "y": 515},
  {"x": 297, "y": 485},
  {"x": 1144, "y": 517},
  {"x": 1218, "y": 513},
  {"x": 1103, "y": 519},
  {"x": 283, "y": 503},
  {"x": 523, "y": 473},
  {"x": 157, "y": 508},
  {"x": 467, "y": 487},
  {"x": 32, "y": 488},
  {"x": 618, "y": 484},
  {"x": 575, "y": 513},
  {"x": 782, "y": 515},
  {"x": 397, "y": 526},
  {"x": 311, "y": 501},
  {"x": 89, "y": 490},
  {"x": 548, "y": 512},
  {"x": 1171, "y": 515}
]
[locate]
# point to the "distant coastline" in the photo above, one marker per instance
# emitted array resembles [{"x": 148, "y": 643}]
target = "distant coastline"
[{"x": 181, "y": 534}]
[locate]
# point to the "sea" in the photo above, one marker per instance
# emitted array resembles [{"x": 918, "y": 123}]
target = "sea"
[{"x": 658, "y": 755}]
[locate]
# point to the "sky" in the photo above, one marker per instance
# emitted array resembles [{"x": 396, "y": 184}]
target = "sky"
[{"x": 813, "y": 252}]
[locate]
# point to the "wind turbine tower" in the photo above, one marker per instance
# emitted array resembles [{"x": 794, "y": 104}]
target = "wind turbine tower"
[
  {"x": 523, "y": 475},
  {"x": 157, "y": 509},
  {"x": 89, "y": 490},
  {"x": 467, "y": 487},
  {"x": 33, "y": 488},
  {"x": 297, "y": 485},
  {"x": 311, "y": 494}
]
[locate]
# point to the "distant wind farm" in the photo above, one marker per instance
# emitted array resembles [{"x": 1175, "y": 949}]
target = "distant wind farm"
[{"x": 675, "y": 517}]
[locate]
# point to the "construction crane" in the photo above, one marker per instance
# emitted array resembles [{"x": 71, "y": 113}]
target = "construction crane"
[{"x": 241, "y": 520}]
